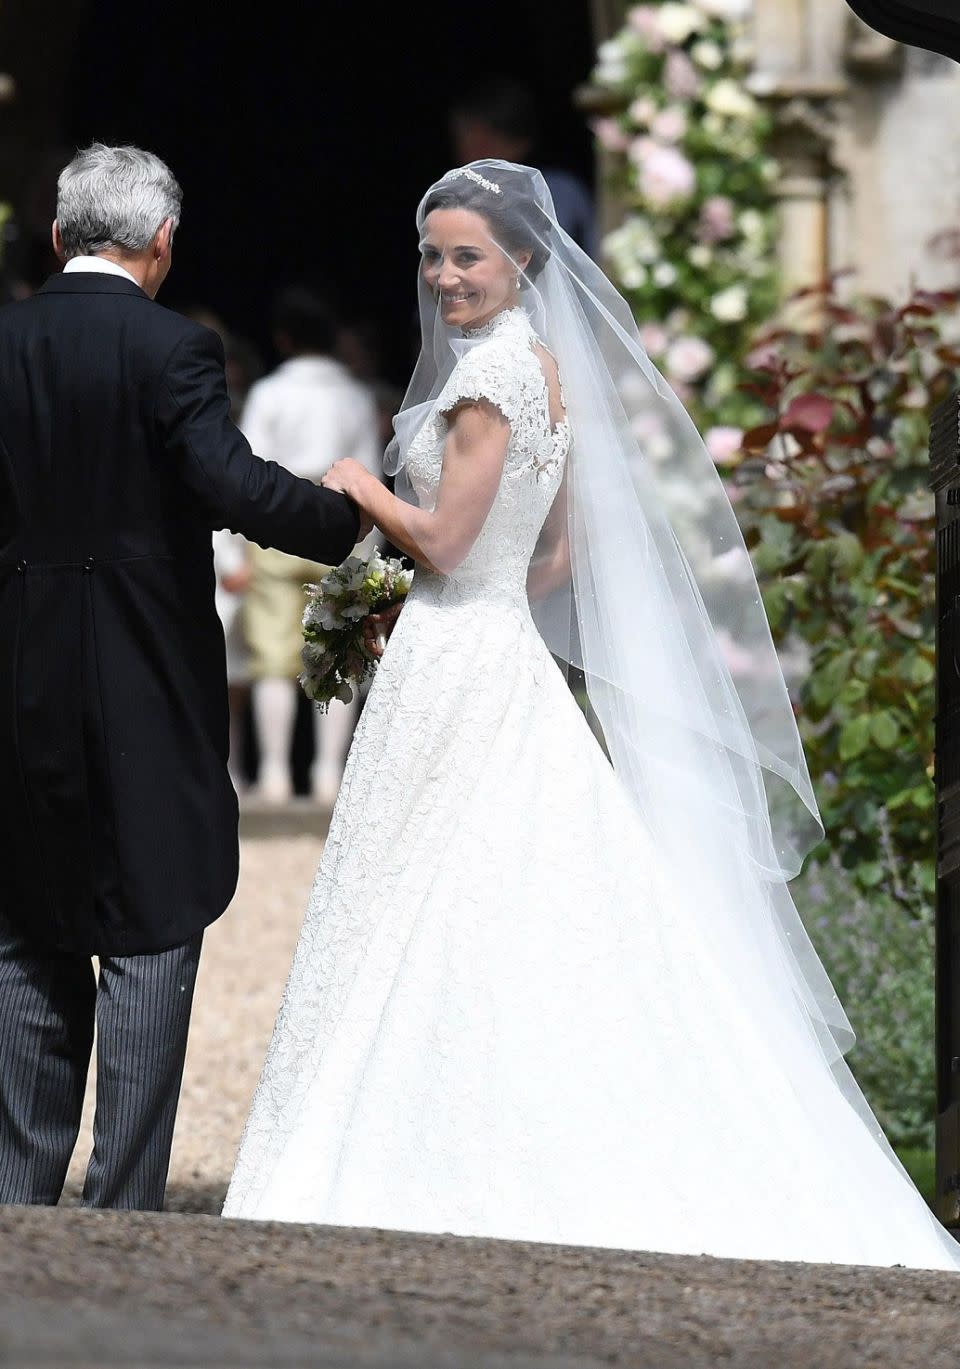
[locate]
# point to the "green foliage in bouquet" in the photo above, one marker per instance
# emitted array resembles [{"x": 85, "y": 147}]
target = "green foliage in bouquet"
[
  {"x": 335, "y": 659},
  {"x": 689, "y": 150},
  {"x": 832, "y": 495}
]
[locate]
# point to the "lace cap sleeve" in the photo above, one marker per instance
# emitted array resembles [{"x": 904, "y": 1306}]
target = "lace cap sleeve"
[{"x": 488, "y": 372}]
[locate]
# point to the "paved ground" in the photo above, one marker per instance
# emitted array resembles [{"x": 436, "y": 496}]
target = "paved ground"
[
  {"x": 85, "y": 1289},
  {"x": 81, "y": 1289}
]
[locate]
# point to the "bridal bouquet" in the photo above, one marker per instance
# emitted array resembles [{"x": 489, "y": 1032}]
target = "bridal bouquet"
[{"x": 335, "y": 659}]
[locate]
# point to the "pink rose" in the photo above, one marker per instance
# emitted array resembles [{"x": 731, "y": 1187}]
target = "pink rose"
[
  {"x": 723, "y": 444},
  {"x": 654, "y": 338},
  {"x": 666, "y": 176},
  {"x": 680, "y": 76},
  {"x": 643, "y": 20},
  {"x": 610, "y": 135},
  {"x": 669, "y": 125},
  {"x": 687, "y": 359},
  {"x": 716, "y": 219}
]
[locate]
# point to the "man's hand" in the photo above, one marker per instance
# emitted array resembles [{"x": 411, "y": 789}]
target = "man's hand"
[{"x": 377, "y": 628}]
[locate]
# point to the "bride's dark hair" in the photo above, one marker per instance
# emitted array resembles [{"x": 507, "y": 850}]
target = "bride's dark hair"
[{"x": 516, "y": 221}]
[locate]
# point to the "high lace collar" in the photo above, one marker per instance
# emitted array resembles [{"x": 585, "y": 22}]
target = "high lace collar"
[{"x": 506, "y": 318}]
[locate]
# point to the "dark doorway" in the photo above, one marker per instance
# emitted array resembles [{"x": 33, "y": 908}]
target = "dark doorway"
[{"x": 304, "y": 140}]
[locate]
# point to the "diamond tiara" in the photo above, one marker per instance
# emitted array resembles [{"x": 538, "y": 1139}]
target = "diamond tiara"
[{"x": 474, "y": 176}]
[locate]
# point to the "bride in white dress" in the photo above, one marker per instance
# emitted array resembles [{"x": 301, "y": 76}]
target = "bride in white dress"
[{"x": 539, "y": 993}]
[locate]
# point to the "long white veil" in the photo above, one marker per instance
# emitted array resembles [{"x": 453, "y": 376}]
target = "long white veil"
[{"x": 661, "y": 610}]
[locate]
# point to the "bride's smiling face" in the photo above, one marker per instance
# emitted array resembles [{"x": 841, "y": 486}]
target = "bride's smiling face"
[{"x": 465, "y": 269}]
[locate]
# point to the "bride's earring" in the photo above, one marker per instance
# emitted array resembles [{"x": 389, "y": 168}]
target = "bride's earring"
[{"x": 519, "y": 281}]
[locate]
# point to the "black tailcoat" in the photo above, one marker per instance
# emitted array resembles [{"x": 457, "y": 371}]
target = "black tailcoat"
[{"x": 118, "y": 822}]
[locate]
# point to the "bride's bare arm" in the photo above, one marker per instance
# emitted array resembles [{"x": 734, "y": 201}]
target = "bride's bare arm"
[{"x": 473, "y": 458}]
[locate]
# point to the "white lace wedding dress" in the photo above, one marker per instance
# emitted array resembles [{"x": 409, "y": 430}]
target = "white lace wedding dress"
[{"x": 496, "y": 1023}]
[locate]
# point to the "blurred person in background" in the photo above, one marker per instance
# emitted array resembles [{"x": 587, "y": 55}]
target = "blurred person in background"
[
  {"x": 498, "y": 117},
  {"x": 243, "y": 362},
  {"x": 305, "y": 415},
  {"x": 232, "y": 569}
]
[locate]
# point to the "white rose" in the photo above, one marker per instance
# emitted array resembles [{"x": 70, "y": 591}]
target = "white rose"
[
  {"x": 751, "y": 224},
  {"x": 633, "y": 276},
  {"x": 677, "y": 22},
  {"x": 665, "y": 273},
  {"x": 730, "y": 305},
  {"x": 731, "y": 100},
  {"x": 700, "y": 256},
  {"x": 642, "y": 111},
  {"x": 707, "y": 54}
]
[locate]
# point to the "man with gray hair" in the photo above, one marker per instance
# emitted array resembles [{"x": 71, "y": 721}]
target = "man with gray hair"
[{"x": 119, "y": 823}]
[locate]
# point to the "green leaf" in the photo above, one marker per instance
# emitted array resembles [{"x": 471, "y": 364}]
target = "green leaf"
[
  {"x": 885, "y": 730},
  {"x": 854, "y": 738},
  {"x": 869, "y": 874},
  {"x": 920, "y": 671}
]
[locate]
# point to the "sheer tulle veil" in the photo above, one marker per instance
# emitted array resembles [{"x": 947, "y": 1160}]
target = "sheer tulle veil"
[{"x": 661, "y": 609}]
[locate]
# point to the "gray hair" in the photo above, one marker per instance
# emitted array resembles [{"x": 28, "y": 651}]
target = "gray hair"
[{"x": 114, "y": 197}]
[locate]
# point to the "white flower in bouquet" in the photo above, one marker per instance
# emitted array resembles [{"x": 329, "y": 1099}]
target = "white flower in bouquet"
[
  {"x": 665, "y": 274},
  {"x": 731, "y": 100},
  {"x": 334, "y": 657},
  {"x": 707, "y": 54},
  {"x": 700, "y": 256},
  {"x": 688, "y": 358},
  {"x": 666, "y": 177},
  {"x": 670, "y": 125},
  {"x": 730, "y": 305},
  {"x": 677, "y": 22}
]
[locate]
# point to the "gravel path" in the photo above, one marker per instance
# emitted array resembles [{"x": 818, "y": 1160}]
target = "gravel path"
[{"x": 246, "y": 956}]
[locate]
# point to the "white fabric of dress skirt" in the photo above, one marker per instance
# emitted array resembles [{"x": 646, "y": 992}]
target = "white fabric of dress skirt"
[{"x": 497, "y": 1022}]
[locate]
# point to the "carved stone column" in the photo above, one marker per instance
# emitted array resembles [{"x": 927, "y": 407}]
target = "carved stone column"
[{"x": 798, "y": 71}]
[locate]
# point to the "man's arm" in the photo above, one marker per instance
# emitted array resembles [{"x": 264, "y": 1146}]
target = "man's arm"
[{"x": 234, "y": 488}]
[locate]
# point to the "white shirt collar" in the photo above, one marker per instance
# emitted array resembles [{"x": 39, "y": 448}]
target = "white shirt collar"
[{"x": 106, "y": 268}]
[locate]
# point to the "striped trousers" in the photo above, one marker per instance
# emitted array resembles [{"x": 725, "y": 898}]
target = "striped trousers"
[{"x": 49, "y": 1002}]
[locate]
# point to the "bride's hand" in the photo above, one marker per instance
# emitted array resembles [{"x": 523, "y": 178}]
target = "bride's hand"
[{"x": 350, "y": 478}]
